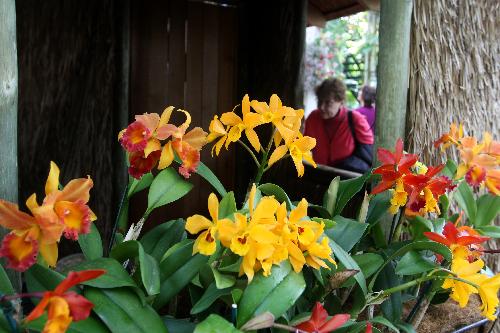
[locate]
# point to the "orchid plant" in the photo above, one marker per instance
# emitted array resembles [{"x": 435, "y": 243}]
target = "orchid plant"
[{"x": 261, "y": 264}]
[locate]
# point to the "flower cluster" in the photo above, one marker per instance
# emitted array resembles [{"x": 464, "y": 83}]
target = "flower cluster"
[
  {"x": 65, "y": 306},
  {"x": 480, "y": 161},
  {"x": 285, "y": 120},
  {"x": 464, "y": 242},
  {"x": 412, "y": 184},
  {"x": 62, "y": 212},
  {"x": 266, "y": 236},
  {"x": 142, "y": 140}
]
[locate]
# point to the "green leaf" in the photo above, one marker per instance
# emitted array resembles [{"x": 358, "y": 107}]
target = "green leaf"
[
  {"x": 91, "y": 243},
  {"x": 178, "y": 325},
  {"x": 378, "y": 207},
  {"x": 223, "y": 280},
  {"x": 408, "y": 328},
  {"x": 40, "y": 278},
  {"x": 330, "y": 197},
  {"x": 349, "y": 263},
  {"x": 215, "y": 324},
  {"x": 115, "y": 276},
  {"x": 137, "y": 185},
  {"x": 368, "y": 262},
  {"x": 488, "y": 207},
  {"x": 83, "y": 326},
  {"x": 347, "y": 189},
  {"x": 178, "y": 268},
  {"x": 210, "y": 177},
  {"x": 5, "y": 284},
  {"x": 383, "y": 321},
  {"x": 419, "y": 225},
  {"x": 122, "y": 311},
  {"x": 392, "y": 306},
  {"x": 211, "y": 294},
  {"x": 417, "y": 246},
  {"x": 346, "y": 232},
  {"x": 278, "y": 192},
  {"x": 450, "y": 169},
  {"x": 465, "y": 199},
  {"x": 413, "y": 263},
  {"x": 323, "y": 213},
  {"x": 227, "y": 206},
  {"x": 490, "y": 230},
  {"x": 150, "y": 272},
  {"x": 159, "y": 239},
  {"x": 363, "y": 210},
  {"x": 275, "y": 293},
  {"x": 167, "y": 187}
]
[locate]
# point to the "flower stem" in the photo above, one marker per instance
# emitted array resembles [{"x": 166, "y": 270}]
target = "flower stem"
[
  {"x": 263, "y": 161},
  {"x": 37, "y": 294},
  {"x": 250, "y": 152}
]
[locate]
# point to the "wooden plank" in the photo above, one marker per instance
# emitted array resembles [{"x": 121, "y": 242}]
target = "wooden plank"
[{"x": 8, "y": 114}]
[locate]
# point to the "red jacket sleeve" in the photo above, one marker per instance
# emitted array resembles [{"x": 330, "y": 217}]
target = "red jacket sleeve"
[{"x": 362, "y": 128}]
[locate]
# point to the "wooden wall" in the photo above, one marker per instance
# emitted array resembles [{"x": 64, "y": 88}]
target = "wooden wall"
[{"x": 184, "y": 54}]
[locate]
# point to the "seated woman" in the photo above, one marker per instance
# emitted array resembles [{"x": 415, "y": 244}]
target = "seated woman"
[
  {"x": 343, "y": 138},
  {"x": 366, "y": 97}
]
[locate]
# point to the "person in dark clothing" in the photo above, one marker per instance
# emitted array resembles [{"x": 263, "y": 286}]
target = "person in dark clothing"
[{"x": 366, "y": 97}]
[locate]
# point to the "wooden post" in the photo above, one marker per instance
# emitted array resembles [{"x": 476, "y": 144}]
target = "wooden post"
[
  {"x": 8, "y": 111},
  {"x": 392, "y": 89}
]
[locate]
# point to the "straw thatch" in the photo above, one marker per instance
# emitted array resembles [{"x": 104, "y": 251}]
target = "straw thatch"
[{"x": 454, "y": 74}]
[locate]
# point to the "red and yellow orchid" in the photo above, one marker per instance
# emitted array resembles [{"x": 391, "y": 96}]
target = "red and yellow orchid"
[
  {"x": 62, "y": 212},
  {"x": 65, "y": 306},
  {"x": 394, "y": 166},
  {"x": 319, "y": 322}
]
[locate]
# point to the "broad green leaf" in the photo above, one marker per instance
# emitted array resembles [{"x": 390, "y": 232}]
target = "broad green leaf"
[
  {"x": 378, "y": 207},
  {"x": 488, "y": 207},
  {"x": 227, "y": 206},
  {"x": 178, "y": 325},
  {"x": 413, "y": 263},
  {"x": 408, "y": 328},
  {"x": 122, "y": 311},
  {"x": 5, "y": 284},
  {"x": 419, "y": 225},
  {"x": 363, "y": 210},
  {"x": 330, "y": 197},
  {"x": 346, "y": 232},
  {"x": 278, "y": 192},
  {"x": 348, "y": 189},
  {"x": 40, "y": 278},
  {"x": 176, "y": 271},
  {"x": 349, "y": 263},
  {"x": 465, "y": 199},
  {"x": 490, "y": 230},
  {"x": 150, "y": 272},
  {"x": 137, "y": 185},
  {"x": 383, "y": 321},
  {"x": 159, "y": 239},
  {"x": 115, "y": 276},
  {"x": 450, "y": 169},
  {"x": 368, "y": 262},
  {"x": 392, "y": 306},
  {"x": 275, "y": 293},
  {"x": 167, "y": 187},
  {"x": 323, "y": 213},
  {"x": 91, "y": 243},
  {"x": 211, "y": 294},
  {"x": 415, "y": 246},
  {"x": 83, "y": 326},
  {"x": 215, "y": 324},
  {"x": 209, "y": 176},
  {"x": 223, "y": 280}
]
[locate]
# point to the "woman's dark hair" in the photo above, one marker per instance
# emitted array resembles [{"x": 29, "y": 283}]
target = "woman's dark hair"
[
  {"x": 368, "y": 93},
  {"x": 331, "y": 88}
]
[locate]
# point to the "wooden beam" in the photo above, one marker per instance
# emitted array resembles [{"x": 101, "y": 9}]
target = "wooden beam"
[
  {"x": 314, "y": 16},
  {"x": 346, "y": 11},
  {"x": 371, "y": 4},
  {"x": 8, "y": 111},
  {"x": 392, "y": 89}
]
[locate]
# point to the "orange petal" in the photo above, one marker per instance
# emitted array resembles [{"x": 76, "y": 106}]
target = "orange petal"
[
  {"x": 38, "y": 310},
  {"x": 12, "y": 218},
  {"x": 190, "y": 158},
  {"x": 75, "y": 278},
  {"x": 77, "y": 189},
  {"x": 49, "y": 253},
  {"x": 75, "y": 216},
  {"x": 152, "y": 145},
  {"x": 19, "y": 250},
  {"x": 52, "y": 184},
  {"x": 165, "y": 116},
  {"x": 58, "y": 316},
  {"x": 149, "y": 120},
  {"x": 196, "y": 138}
]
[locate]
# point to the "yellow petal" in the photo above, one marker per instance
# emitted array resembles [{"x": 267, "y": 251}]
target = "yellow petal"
[
  {"x": 245, "y": 105},
  {"x": 264, "y": 212},
  {"x": 299, "y": 212},
  {"x": 218, "y": 145},
  {"x": 251, "y": 198},
  {"x": 49, "y": 253},
  {"x": 252, "y": 120},
  {"x": 305, "y": 143},
  {"x": 52, "y": 183},
  {"x": 166, "y": 157},
  {"x": 264, "y": 251},
  {"x": 165, "y": 116},
  {"x": 196, "y": 138},
  {"x": 298, "y": 165},
  {"x": 253, "y": 138},
  {"x": 31, "y": 202},
  {"x": 151, "y": 146},
  {"x": 196, "y": 223},
  {"x": 274, "y": 103},
  {"x": 277, "y": 154},
  {"x": 213, "y": 207},
  {"x": 230, "y": 119},
  {"x": 205, "y": 243},
  {"x": 185, "y": 124}
]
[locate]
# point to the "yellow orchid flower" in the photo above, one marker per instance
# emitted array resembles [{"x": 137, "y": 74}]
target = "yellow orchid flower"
[
  {"x": 399, "y": 197},
  {"x": 216, "y": 130},
  {"x": 465, "y": 270},
  {"x": 299, "y": 149},
  {"x": 206, "y": 242},
  {"x": 488, "y": 291}
]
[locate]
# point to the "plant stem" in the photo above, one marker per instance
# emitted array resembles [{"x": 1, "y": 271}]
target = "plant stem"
[
  {"x": 16, "y": 296},
  {"x": 263, "y": 161},
  {"x": 288, "y": 328},
  {"x": 250, "y": 152},
  {"x": 395, "y": 218}
]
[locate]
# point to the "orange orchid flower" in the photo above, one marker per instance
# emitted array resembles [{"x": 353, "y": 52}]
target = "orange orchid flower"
[
  {"x": 394, "y": 166},
  {"x": 452, "y": 138},
  {"x": 319, "y": 322},
  {"x": 62, "y": 211},
  {"x": 65, "y": 306},
  {"x": 454, "y": 237}
]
